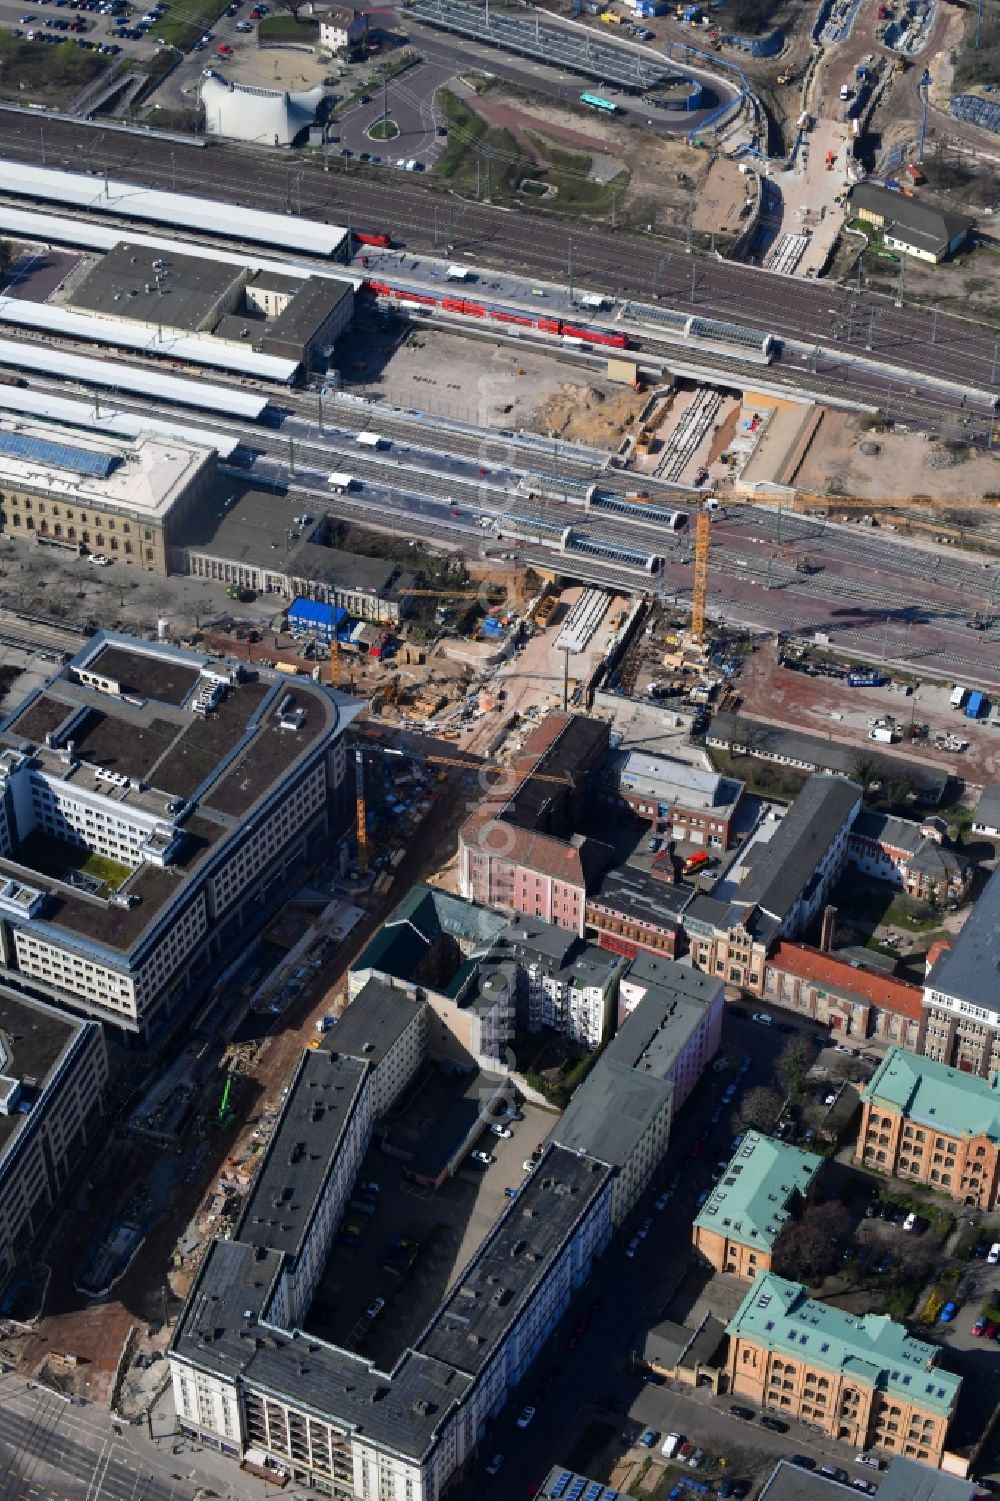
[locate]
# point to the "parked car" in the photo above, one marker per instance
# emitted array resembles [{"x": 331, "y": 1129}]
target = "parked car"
[
  {"x": 493, "y": 1468},
  {"x": 994, "y": 1254},
  {"x": 773, "y": 1425},
  {"x": 866, "y": 1487},
  {"x": 649, "y": 1438},
  {"x": 374, "y": 1308},
  {"x": 948, "y": 1313},
  {"x": 762, "y": 1019},
  {"x": 745, "y": 1414},
  {"x": 979, "y": 1327},
  {"x": 525, "y": 1416},
  {"x": 483, "y": 1158},
  {"x": 696, "y": 1460},
  {"x": 803, "y": 1461},
  {"x": 870, "y": 1461},
  {"x": 834, "y": 1472},
  {"x": 503, "y": 1131}
]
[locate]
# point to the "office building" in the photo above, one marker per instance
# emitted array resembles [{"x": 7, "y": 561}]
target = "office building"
[
  {"x": 341, "y": 27},
  {"x": 933, "y": 1124},
  {"x": 84, "y": 492},
  {"x": 630, "y": 911},
  {"x": 679, "y": 800},
  {"x": 153, "y": 802},
  {"x": 744, "y": 736},
  {"x": 862, "y": 1380},
  {"x": 766, "y": 1183},
  {"x": 53, "y": 1073}
]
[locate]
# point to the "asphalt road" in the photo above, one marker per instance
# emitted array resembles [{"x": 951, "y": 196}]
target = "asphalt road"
[
  {"x": 53, "y": 1451},
  {"x": 413, "y": 108},
  {"x": 908, "y": 339}
]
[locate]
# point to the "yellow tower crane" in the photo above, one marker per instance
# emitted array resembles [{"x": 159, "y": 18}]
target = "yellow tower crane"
[{"x": 699, "y": 589}]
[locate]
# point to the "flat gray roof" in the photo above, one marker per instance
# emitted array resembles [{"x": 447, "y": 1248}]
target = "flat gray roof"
[
  {"x": 515, "y": 1258},
  {"x": 611, "y": 1111},
  {"x": 779, "y": 871},
  {"x": 34, "y": 1039},
  {"x": 222, "y": 1330},
  {"x": 969, "y": 969},
  {"x": 374, "y": 1021},
  {"x": 314, "y": 302},
  {"x": 662, "y": 1023},
  {"x": 322, "y": 1098},
  {"x": 640, "y": 896},
  {"x": 156, "y": 287},
  {"x": 222, "y": 766}
]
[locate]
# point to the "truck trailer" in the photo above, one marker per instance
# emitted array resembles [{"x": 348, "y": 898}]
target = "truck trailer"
[
  {"x": 977, "y": 706},
  {"x": 369, "y": 440},
  {"x": 957, "y": 696}
]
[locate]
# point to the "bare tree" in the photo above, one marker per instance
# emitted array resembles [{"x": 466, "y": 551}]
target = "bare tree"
[
  {"x": 808, "y": 1247},
  {"x": 792, "y": 1063},
  {"x": 759, "y": 1109}
]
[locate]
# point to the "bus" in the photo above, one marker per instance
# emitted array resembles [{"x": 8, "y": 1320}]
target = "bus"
[{"x": 594, "y": 101}]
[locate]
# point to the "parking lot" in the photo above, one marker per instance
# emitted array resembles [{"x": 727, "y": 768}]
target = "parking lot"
[{"x": 442, "y": 1230}]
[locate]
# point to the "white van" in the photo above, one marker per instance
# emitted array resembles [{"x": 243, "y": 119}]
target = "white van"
[
  {"x": 670, "y": 1445},
  {"x": 994, "y": 1255}
]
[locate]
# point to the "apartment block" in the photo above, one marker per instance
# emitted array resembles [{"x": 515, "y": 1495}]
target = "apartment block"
[
  {"x": 933, "y": 1124},
  {"x": 766, "y": 1183},
  {"x": 858, "y": 1003},
  {"x": 862, "y": 1380},
  {"x": 153, "y": 800},
  {"x": 53, "y": 1073},
  {"x": 961, "y": 998},
  {"x": 622, "y": 1113},
  {"x": 565, "y": 984},
  {"x": 674, "y": 1022},
  {"x": 777, "y": 886},
  {"x": 519, "y": 850}
]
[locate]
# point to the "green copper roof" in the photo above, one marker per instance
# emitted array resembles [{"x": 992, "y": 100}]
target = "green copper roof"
[
  {"x": 957, "y": 1103},
  {"x": 871, "y": 1349},
  {"x": 751, "y": 1202}
]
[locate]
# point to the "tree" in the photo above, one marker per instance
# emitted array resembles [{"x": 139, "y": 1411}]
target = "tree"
[
  {"x": 291, "y": 6},
  {"x": 863, "y": 771},
  {"x": 759, "y": 1109},
  {"x": 809, "y": 1245},
  {"x": 792, "y": 1063}
]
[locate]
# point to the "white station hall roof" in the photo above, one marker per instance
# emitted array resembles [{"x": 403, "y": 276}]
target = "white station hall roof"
[
  {"x": 111, "y": 420},
  {"x": 51, "y": 229},
  {"x": 141, "y": 382},
  {"x": 143, "y": 338},
  {"x": 111, "y": 196}
]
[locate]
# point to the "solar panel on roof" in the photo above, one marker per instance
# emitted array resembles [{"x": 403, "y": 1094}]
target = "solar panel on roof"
[
  {"x": 561, "y": 1482},
  {"x": 59, "y": 455},
  {"x": 576, "y": 1489},
  {"x": 594, "y": 1491}
]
